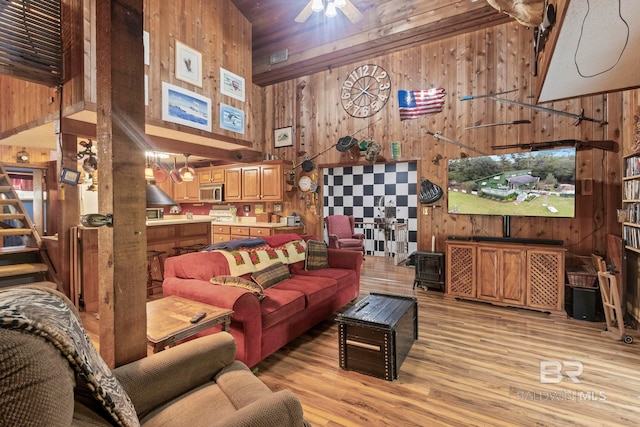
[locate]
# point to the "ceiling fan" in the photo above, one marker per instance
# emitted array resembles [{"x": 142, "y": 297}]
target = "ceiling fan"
[{"x": 345, "y": 6}]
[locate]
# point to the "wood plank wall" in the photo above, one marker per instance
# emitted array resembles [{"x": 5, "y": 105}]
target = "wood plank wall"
[{"x": 485, "y": 61}]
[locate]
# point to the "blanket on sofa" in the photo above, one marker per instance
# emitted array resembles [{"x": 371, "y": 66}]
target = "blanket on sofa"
[
  {"x": 46, "y": 313},
  {"x": 249, "y": 260}
]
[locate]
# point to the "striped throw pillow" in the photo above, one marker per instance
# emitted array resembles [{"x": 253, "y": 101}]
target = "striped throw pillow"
[
  {"x": 239, "y": 282},
  {"x": 275, "y": 273},
  {"x": 316, "y": 257}
]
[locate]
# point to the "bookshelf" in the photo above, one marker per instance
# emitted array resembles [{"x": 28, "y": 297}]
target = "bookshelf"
[{"x": 631, "y": 202}]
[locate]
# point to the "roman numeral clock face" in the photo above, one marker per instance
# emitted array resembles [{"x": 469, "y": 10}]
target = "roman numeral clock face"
[{"x": 365, "y": 91}]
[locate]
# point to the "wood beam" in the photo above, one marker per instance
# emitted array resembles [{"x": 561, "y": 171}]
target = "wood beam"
[
  {"x": 120, "y": 119},
  {"x": 233, "y": 156}
]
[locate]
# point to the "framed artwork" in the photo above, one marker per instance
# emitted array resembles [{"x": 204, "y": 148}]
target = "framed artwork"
[
  {"x": 231, "y": 118},
  {"x": 188, "y": 64},
  {"x": 70, "y": 176},
  {"x": 277, "y": 207},
  {"x": 232, "y": 85},
  {"x": 258, "y": 208},
  {"x": 145, "y": 43},
  {"x": 283, "y": 137},
  {"x": 186, "y": 108}
]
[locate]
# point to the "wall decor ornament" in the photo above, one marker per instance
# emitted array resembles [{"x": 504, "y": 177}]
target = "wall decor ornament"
[
  {"x": 231, "y": 118},
  {"x": 365, "y": 91},
  {"x": 232, "y": 85},
  {"x": 188, "y": 64},
  {"x": 283, "y": 137},
  {"x": 184, "y": 107}
]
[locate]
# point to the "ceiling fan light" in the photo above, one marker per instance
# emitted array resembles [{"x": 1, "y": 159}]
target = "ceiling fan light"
[
  {"x": 317, "y": 6},
  {"x": 331, "y": 10},
  {"x": 340, "y": 3}
]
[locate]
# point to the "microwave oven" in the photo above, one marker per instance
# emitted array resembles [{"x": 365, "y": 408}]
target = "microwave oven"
[
  {"x": 155, "y": 213},
  {"x": 211, "y": 193}
]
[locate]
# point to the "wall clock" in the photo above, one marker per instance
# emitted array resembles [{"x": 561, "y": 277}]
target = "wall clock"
[
  {"x": 365, "y": 90},
  {"x": 304, "y": 184}
]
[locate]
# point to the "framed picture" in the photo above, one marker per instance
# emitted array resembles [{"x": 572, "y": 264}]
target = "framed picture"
[
  {"x": 283, "y": 137},
  {"x": 258, "y": 208},
  {"x": 231, "y": 84},
  {"x": 277, "y": 207},
  {"x": 184, "y": 107},
  {"x": 231, "y": 118},
  {"x": 70, "y": 176},
  {"x": 188, "y": 64},
  {"x": 145, "y": 43}
]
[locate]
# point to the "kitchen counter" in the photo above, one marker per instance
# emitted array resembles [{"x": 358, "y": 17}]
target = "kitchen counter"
[{"x": 240, "y": 222}]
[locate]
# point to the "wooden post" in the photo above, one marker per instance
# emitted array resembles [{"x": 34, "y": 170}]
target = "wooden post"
[{"x": 120, "y": 134}]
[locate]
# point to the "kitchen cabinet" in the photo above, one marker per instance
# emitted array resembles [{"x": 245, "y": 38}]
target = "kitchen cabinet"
[
  {"x": 211, "y": 175},
  {"x": 232, "y": 190},
  {"x": 186, "y": 191},
  {"x": 509, "y": 274},
  {"x": 262, "y": 182}
]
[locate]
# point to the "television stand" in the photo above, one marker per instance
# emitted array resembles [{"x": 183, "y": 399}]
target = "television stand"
[{"x": 509, "y": 273}]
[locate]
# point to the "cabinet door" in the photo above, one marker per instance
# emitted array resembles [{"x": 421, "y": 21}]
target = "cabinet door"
[
  {"x": 187, "y": 191},
  {"x": 271, "y": 182},
  {"x": 232, "y": 184},
  {"x": 204, "y": 175},
  {"x": 461, "y": 268},
  {"x": 513, "y": 285},
  {"x": 251, "y": 189},
  {"x": 488, "y": 286},
  {"x": 545, "y": 279}
]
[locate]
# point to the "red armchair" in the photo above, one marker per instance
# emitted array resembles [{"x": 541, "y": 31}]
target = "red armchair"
[{"x": 340, "y": 229}]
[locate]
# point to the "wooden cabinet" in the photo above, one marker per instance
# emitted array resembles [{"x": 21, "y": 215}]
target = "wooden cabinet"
[
  {"x": 211, "y": 175},
  {"x": 220, "y": 233},
  {"x": 511, "y": 274},
  {"x": 186, "y": 191},
  {"x": 224, "y": 233},
  {"x": 263, "y": 182},
  {"x": 232, "y": 184}
]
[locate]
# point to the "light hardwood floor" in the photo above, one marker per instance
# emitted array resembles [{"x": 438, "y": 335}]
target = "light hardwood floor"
[{"x": 473, "y": 364}]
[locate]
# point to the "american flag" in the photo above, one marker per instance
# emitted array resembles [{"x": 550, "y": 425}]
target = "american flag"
[{"x": 416, "y": 103}]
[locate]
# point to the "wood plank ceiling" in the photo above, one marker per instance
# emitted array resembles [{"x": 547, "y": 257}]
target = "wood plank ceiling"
[{"x": 322, "y": 43}]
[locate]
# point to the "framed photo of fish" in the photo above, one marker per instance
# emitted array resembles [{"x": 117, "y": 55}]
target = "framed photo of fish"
[
  {"x": 232, "y": 85},
  {"x": 188, "y": 64}
]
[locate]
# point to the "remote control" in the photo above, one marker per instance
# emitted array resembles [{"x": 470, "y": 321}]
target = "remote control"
[{"x": 198, "y": 317}]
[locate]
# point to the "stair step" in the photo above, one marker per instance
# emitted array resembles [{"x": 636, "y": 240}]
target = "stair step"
[
  {"x": 5, "y": 188},
  {"x": 14, "y": 231},
  {"x": 22, "y": 269},
  {"x": 18, "y": 249},
  {"x": 4, "y": 217},
  {"x": 44, "y": 284},
  {"x": 9, "y": 201}
]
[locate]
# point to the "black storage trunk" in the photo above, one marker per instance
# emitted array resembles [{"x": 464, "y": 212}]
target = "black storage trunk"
[{"x": 376, "y": 334}]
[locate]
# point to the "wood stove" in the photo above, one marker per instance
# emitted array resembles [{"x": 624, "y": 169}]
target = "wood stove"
[{"x": 430, "y": 270}]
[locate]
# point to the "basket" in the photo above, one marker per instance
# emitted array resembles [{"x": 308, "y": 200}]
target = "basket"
[{"x": 582, "y": 276}]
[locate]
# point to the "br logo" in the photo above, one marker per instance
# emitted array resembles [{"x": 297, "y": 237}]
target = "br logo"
[{"x": 554, "y": 371}]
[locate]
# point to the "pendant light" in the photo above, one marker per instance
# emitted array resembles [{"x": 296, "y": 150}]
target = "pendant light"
[
  {"x": 186, "y": 173},
  {"x": 317, "y": 6},
  {"x": 331, "y": 10}
]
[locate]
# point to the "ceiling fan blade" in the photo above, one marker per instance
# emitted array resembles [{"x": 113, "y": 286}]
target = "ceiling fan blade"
[
  {"x": 351, "y": 12},
  {"x": 306, "y": 13}
]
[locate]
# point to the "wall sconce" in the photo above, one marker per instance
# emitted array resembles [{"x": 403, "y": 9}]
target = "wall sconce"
[
  {"x": 22, "y": 156},
  {"x": 90, "y": 163}
]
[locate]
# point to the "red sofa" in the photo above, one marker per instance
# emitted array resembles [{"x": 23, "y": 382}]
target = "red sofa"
[{"x": 289, "y": 308}]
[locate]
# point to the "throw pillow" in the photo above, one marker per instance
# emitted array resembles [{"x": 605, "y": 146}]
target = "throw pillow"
[
  {"x": 316, "y": 257},
  {"x": 239, "y": 282},
  {"x": 275, "y": 273}
]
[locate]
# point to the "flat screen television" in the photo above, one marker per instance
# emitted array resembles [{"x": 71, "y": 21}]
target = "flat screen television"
[{"x": 536, "y": 183}]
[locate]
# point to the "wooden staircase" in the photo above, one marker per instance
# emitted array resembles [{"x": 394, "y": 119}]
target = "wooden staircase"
[{"x": 23, "y": 259}]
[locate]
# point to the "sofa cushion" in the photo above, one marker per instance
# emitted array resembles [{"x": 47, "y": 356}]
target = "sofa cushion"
[
  {"x": 342, "y": 276},
  {"x": 280, "y": 239},
  {"x": 316, "y": 256},
  {"x": 239, "y": 282},
  {"x": 315, "y": 290},
  {"x": 271, "y": 275},
  {"x": 279, "y": 305}
]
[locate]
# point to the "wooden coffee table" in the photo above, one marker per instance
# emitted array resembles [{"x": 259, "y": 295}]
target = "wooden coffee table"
[{"x": 168, "y": 320}]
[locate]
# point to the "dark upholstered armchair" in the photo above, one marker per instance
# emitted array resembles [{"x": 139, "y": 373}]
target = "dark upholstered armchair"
[
  {"x": 341, "y": 232},
  {"x": 50, "y": 374}
]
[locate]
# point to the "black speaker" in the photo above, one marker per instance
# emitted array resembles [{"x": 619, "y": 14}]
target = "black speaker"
[{"x": 584, "y": 303}]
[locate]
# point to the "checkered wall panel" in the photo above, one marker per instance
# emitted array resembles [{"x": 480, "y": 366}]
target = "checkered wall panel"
[{"x": 356, "y": 190}]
